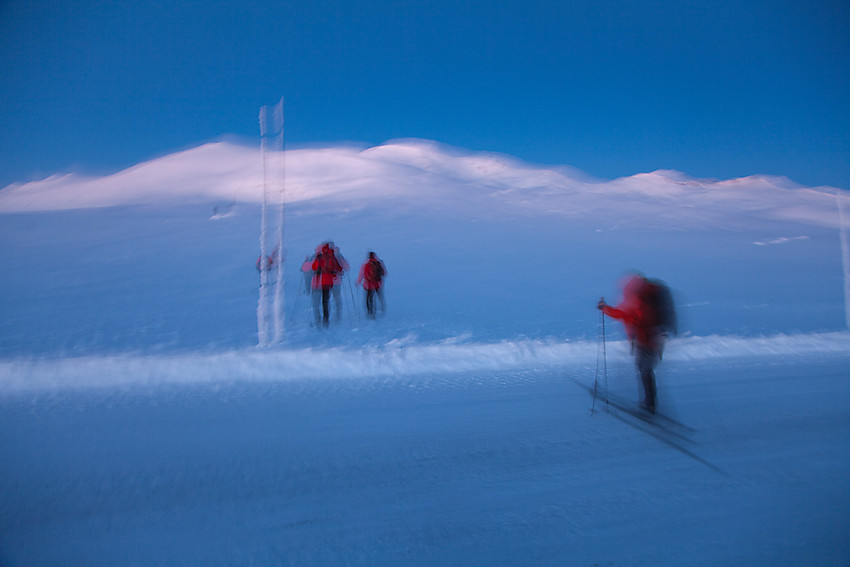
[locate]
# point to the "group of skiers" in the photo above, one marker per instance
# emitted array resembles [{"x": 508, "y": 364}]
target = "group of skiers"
[
  {"x": 323, "y": 273},
  {"x": 646, "y": 309}
]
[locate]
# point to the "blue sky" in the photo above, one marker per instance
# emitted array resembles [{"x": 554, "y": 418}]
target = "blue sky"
[{"x": 715, "y": 89}]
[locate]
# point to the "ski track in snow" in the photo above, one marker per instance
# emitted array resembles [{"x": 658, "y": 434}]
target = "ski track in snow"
[{"x": 504, "y": 467}]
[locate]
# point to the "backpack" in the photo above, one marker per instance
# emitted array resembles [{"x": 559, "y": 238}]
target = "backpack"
[
  {"x": 328, "y": 264},
  {"x": 659, "y": 300},
  {"x": 374, "y": 270}
]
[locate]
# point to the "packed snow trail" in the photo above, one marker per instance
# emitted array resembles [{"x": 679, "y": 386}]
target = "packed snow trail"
[{"x": 468, "y": 468}]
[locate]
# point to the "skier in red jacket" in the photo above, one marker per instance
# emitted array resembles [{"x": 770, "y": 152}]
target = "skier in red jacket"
[
  {"x": 647, "y": 314},
  {"x": 326, "y": 271},
  {"x": 371, "y": 277}
]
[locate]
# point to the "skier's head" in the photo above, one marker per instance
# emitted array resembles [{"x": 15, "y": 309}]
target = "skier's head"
[{"x": 633, "y": 285}]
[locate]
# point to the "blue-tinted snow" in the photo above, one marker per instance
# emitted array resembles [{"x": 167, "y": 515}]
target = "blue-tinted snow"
[{"x": 141, "y": 425}]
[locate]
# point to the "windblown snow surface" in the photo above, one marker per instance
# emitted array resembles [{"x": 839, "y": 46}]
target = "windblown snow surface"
[{"x": 141, "y": 424}]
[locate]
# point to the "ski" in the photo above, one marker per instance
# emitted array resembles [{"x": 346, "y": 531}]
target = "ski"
[
  {"x": 669, "y": 441},
  {"x": 657, "y": 419},
  {"x": 646, "y": 423},
  {"x": 649, "y": 419},
  {"x": 660, "y": 421}
]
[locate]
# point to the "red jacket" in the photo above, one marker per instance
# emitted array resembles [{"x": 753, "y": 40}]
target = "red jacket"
[
  {"x": 326, "y": 268},
  {"x": 372, "y": 274},
  {"x": 637, "y": 315}
]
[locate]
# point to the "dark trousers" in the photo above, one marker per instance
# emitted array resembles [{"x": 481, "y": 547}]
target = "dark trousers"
[
  {"x": 370, "y": 302},
  {"x": 647, "y": 359},
  {"x": 326, "y": 305},
  {"x": 371, "y": 308}
]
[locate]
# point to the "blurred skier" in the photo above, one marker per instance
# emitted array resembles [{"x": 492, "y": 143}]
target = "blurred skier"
[
  {"x": 312, "y": 285},
  {"x": 371, "y": 277},
  {"x": 269, "y": 264},
  {"x": 307, "y": 273},
  {"x": 326, "y": 271},
  {"x": 648, "y": 315},
  {"x": 336, "y": 290}
]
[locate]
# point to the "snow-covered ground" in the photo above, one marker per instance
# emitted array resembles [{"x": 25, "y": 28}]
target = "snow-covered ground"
[{"x": 142, "y": 426}]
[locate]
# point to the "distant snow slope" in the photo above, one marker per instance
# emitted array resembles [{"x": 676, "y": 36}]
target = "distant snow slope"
[{"x": 481, "y": 248}]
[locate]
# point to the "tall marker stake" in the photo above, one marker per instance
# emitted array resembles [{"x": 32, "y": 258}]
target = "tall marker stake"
[{"x": 271, "y": 316}]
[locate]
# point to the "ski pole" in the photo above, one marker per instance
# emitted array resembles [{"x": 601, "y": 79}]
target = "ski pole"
[
  {"x": 295, "y": 306},
  {"x": 596, "y": 376},
  {"x": 600, "y": 354},
  {"x": 604, "y": 363},
  {"x": 353, "y": 304}
]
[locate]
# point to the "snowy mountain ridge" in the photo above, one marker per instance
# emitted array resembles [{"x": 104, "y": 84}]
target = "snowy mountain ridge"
[{"x": 418, "y": 172}]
